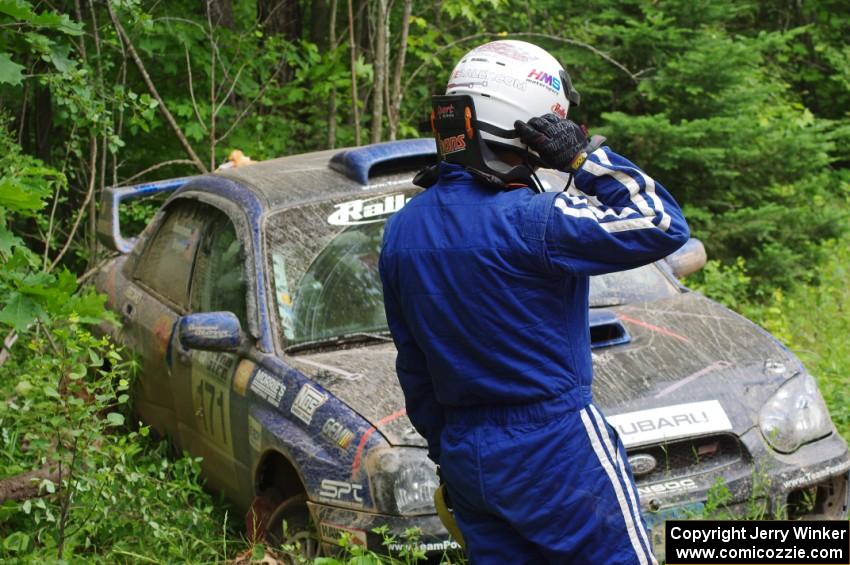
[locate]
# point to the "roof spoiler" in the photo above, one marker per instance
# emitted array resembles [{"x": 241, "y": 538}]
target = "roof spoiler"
[
  {"x": 109, "y": 219},
  {"x": 358, "y": 162}
]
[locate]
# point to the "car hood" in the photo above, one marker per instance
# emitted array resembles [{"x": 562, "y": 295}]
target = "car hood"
[{"x": 684, "y": 352}]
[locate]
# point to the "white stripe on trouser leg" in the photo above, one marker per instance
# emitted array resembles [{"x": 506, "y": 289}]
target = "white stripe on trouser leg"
[
  {"x": 621, "y": 499},
  {"x": 612, "y": 449}
]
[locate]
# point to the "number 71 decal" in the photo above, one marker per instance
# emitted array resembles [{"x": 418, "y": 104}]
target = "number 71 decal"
[{"x": 211, "y": 405}]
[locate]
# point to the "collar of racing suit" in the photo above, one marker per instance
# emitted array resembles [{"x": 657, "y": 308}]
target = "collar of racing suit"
[{"x": 453, "y": 172}]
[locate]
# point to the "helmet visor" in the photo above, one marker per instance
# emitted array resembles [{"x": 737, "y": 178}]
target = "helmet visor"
[{"x": 572, "y": 94}]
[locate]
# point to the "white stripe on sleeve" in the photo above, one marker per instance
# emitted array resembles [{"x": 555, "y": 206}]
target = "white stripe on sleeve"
[
  {"x": 637, "y": 198},
  {"x": 592, "y": 213}
]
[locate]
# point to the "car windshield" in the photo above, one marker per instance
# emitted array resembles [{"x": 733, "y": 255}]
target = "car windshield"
[{"x": 324, "y": 262}]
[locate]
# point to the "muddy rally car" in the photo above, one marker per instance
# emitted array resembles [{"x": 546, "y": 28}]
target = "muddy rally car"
[{"x": 254, "y": 302}]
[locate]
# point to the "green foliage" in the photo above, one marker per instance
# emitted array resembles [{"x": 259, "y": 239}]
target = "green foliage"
[
  {"x": 817, "y": 328},
  {"x": 728, "y": 284},
  {"x": 29, "y": 292},
  {"x": 64, "y": 403},
  {"x": 64, "y": 400},
  {"x": 740, "y": 108}
]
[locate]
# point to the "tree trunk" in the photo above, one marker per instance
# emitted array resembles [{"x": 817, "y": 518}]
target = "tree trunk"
[
  {"x": 352, "y": 47},
  {"x": 394, "y": 103},
  {"x": 169, "y": 118},
  {"x": 222, "y": 13},
  {"x": 318, "y": 29},
  {"x": 43, "y": 115},
  {"x": 332, "y": 111},
  {"x": 280, "y": 17},
  {"x": 379, "y": 64}
]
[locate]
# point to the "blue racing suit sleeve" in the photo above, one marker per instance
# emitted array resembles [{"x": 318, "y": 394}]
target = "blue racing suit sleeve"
[
  {"x": 424, "y": 411},
  {"x": 615, "y": 217}
]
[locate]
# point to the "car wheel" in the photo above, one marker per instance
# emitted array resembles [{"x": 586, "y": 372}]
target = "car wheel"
[{"x": 290, "y": 524}]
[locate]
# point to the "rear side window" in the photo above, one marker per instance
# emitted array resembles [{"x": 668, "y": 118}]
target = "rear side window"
[
  {"x": 165, "y": 266},
  {"x": 220, "y": 283}
]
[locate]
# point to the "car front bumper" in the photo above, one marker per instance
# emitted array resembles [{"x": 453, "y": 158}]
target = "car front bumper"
[
  {"x": 333, "y": 521},
  {"x": 811, "y": 483}
]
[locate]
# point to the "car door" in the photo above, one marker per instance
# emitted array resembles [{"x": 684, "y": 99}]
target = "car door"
[
  {"x": 156, "y": 296},
  {"x": 204, "y": 379}
]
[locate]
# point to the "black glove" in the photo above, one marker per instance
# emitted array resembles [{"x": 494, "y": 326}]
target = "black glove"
[{"x": 557, "y": 140}]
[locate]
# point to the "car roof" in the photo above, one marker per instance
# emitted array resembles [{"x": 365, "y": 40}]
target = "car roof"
[{"x": 324, "y": 175}]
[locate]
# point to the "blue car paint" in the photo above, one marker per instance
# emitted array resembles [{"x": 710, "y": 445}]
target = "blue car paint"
[
  {"x": 313, "y": 462},
  {"x": 253, "y": 208},
  {"x": 109, "y": 225},
  {"x": 313, "y": 466},
  {"x": 356, "y": 163},
  {"x": 210, "y": 330}
]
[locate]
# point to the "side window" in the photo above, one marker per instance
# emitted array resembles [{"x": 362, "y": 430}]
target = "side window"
[
  {"x": 219, "y": 280},
  {"x": 166, "y": 263}
]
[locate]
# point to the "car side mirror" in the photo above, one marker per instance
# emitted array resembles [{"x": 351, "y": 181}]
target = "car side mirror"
[
  {"x": 688, "y": 259},
  {"x": 211, "y": 331}
]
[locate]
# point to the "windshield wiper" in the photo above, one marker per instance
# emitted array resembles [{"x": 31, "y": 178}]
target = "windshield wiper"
[{"x": 339, "y": 340}]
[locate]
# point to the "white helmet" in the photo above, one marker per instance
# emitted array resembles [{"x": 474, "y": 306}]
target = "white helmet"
[{"x": 512, "y": 80}]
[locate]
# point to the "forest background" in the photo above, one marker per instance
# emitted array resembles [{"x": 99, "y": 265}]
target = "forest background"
[{"x": 741, "y": 108}]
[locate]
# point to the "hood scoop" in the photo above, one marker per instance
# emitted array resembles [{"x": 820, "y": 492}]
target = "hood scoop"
[{"x": 606, "y": 330}]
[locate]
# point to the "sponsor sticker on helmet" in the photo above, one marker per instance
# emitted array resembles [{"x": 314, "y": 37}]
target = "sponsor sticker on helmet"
[
  {"x": 542, "y": 78},
  {"x": 508, "y": 49},
  {"x": 487, "y": 76},
  {"x": 558, "y": 109}
]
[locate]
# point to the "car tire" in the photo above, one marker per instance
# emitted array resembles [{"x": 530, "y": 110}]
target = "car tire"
[{"x": 300, "y": 531}]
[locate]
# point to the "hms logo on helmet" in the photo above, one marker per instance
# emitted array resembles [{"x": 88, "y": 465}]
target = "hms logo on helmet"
[
  {"x": 545, "y": 79},
  {"x": 453, "y": 144},
  {"x": 558, "y": 109}
]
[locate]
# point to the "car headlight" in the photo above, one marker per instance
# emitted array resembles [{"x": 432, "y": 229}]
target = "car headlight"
[
  {"x": 403, "y": 480},
  {"x": 795, "y": 415}
]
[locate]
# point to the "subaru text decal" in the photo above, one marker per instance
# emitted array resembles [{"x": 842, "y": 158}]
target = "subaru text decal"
[
  {"x": 367, "y": 211},
  {"x": 670, "y": 422}
]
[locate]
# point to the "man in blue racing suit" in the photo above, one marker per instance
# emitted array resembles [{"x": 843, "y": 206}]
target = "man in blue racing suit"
[{"x": 486, "y": 295}]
